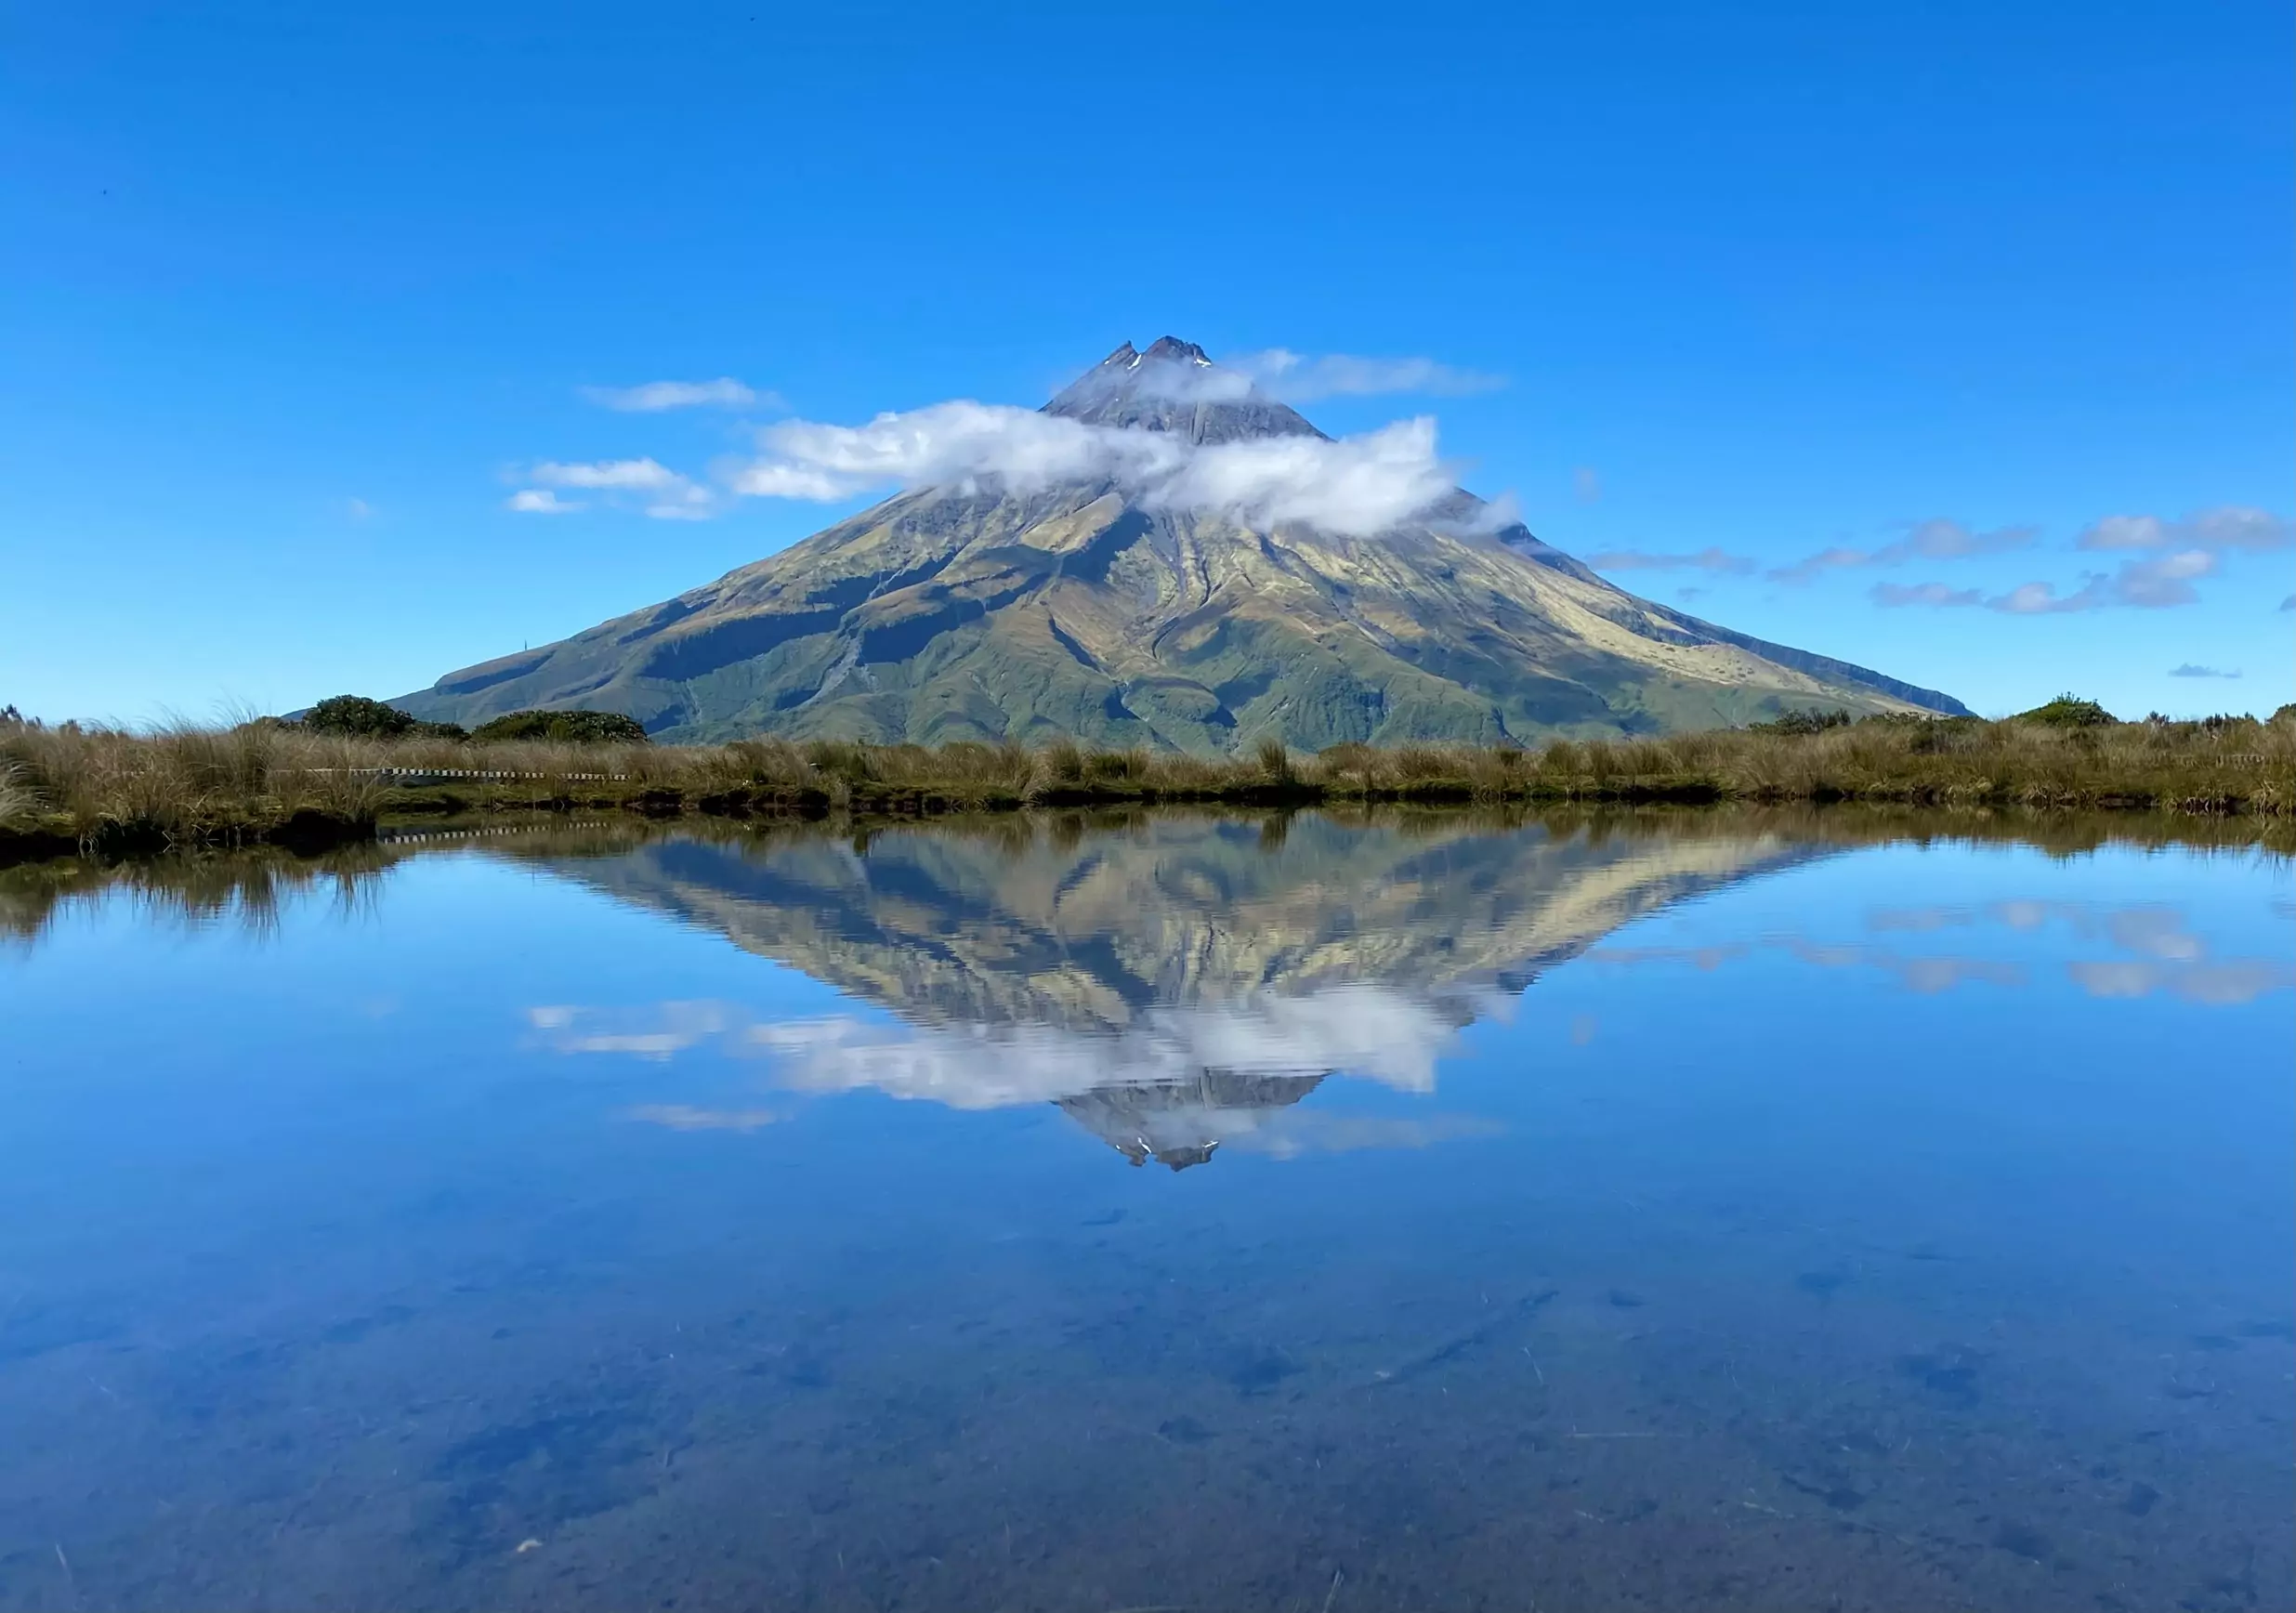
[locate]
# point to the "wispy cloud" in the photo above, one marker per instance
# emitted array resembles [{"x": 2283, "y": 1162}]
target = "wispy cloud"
[
  {"x": 647, "y": 484},
  {"x": 1925, "y": 974},
  {"x": 2226, "y": 985},
  {"x": 359, "y": 509},
  {"x": 2156, "y": 585},
  {"x": 1706, "y": 559},
  {"x": 1287, "y": 1134},
  {"x": 1357, "y": 485},
  {"x": 2168, "y": 958},
  {"x": 2165, "y": 557},
  {"x": 1586, "y": 484},
  {"x": 2043, "y": 599},
  {"x": 659, "y": 1031},
  {"x": 2159, "y": 584},
  {"x": 1937, "y": 595},
  {"x": 2289, "y": 603},
  {"x": 1937, "y": 539},
  {"x": 2193, "y": 669},
  {"x": 654, "y": 397},
  {"x": 540, "y": 501},
  {"x": 635, "y": 474},
  {"x": 682, "y": 1117},
  {"x": 2152, "y": 930},
  {"x": 1302, "y": 378},
  {"x": 2226, "y": 527}
]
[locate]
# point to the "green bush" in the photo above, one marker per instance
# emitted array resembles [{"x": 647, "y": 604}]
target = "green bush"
[
  {"x": 572, "y": 727},
  {"x": 2068, "y": 711},
  {"x": 1803, "y": 723},
  {"x": 356, "y": 716}
]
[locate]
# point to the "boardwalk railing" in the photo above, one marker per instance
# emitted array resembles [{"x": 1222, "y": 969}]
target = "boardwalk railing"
[
  {"x": 432, "y": 775},
  {"x": 491, "y": 831}
]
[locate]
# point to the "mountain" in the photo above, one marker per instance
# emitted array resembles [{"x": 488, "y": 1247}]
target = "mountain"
[
  {"x": 1171, "y": 981},
  {"x": 975, "y": 610}
]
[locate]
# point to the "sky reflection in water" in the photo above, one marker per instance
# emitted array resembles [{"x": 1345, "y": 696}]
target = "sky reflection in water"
[{"x": 1177, "y": 1210}]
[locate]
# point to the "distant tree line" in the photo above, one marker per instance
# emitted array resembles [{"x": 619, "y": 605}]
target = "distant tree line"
[{"x": 2067, "y": 711}]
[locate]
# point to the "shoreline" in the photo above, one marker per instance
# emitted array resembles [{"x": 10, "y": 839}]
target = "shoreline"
[
  {"x": 310, "y": 832},
  {"x": 112, "y": 794}
]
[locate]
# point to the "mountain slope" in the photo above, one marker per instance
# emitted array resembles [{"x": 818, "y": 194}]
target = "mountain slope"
[{"x": 978, "y": 613}]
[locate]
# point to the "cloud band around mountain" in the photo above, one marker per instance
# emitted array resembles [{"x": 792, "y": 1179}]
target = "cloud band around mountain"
[{"x": 1354, "y": 486}]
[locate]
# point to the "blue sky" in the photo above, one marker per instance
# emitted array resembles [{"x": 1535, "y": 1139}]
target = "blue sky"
[{"x": 294, "y": 299}]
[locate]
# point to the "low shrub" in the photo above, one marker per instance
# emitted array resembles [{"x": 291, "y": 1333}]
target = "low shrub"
[{"x": 565, "y": 727}]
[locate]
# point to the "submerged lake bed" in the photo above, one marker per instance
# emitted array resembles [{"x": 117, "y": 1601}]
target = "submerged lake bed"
[{"x": 1329, "y": 1210}]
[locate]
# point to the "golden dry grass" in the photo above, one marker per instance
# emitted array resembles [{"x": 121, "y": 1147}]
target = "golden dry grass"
[{"x": 185, "y": 784}]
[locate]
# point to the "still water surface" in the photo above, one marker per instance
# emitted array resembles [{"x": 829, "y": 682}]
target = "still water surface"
[{"x": 1173, "y": 1211}]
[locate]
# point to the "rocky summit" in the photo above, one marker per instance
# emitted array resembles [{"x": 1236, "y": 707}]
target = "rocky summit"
[{"x": 1121, "y": 614}]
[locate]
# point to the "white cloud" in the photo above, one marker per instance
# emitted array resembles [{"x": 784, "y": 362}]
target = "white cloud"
[
  {"x": 540, "y": 501},
  {"x": 2193, "y": 669},
  {"x": 1586, "y": 484},
  {"x": 359, "y": 509},
  {"x": 643, "y": 475},
  {"x": 658, "y": 1033},
  {"x": 2226, "y": 527},
  {"x": 653, "y": 487},
  {"x": 956, "y": 443},
  {"x": 1376, "y": 1033},
  {"x": 1298, "y": 378},
  {"x": 1362, "y": 1031},
  {"x": 1357, "y": 485},
  {"x": 653, "y": 397}
]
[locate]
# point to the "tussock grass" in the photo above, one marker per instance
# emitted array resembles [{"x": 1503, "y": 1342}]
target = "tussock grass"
[{"x": 113, "y": 791}]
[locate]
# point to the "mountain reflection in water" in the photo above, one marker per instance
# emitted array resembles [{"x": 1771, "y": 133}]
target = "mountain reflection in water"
[
  {"x": 1171, "y": 981},
  {"x": 1828, "y": 1210}
]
